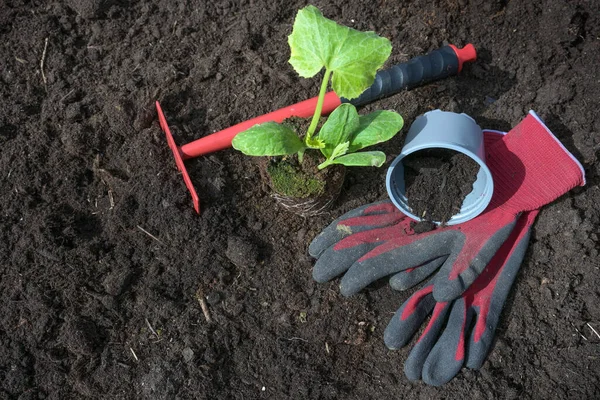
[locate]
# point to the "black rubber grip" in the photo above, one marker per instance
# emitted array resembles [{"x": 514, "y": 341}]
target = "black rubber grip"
[{"x": 438, "y": 64}]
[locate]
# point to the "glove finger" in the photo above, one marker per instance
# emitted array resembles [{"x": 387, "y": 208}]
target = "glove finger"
[
  {"x": 369, "y": 216},
  {"x": 406, "y": 279},
  {"x": 447, "y": 356},
  {"x": 413, "y": 367},
  {"x": 393, "y": 256},
  {"x": 492, "y": 295},
  {"x": 409, "y": 318},
  {"x": 339, "y": 257},
  {"x": 463, "y": 267},
  {"x": 481, "y": 338},
  {"x": 333, "y": 263}
]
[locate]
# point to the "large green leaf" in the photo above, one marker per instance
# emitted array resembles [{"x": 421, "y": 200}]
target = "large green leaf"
[
  {"x": 353, "y": 56},
  {"x": 338, "y": 128},
  {"x": 268, "y": 139},
  {"x": 362, "y": 159},
  {"x": 377, "y": 127}
]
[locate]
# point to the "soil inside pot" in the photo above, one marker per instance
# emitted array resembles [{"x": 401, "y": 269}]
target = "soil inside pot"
[{"x": 437, "y": 182}]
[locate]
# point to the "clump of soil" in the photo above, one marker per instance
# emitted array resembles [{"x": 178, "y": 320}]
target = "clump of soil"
[
  {"x": 301, "y": 187},
  {"x": 290, "y": 178},
  {"x": 437, "y": 182},
  {"x": 422, "y": 226}
]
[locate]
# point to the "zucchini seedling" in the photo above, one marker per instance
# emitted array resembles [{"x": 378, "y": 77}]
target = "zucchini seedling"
[{"x": 351, "y": 59}]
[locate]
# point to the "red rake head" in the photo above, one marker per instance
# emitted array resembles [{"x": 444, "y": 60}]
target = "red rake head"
[{"x": 178, "y": 159}]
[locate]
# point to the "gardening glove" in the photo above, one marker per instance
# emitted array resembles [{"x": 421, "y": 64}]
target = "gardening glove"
[
  {"x": 530, "y": 168},
  {"x": 451, "y": 339}
]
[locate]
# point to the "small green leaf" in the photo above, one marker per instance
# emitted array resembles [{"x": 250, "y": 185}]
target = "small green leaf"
[
  {"x": 362, "y": 159},
  {"x": 315, "y": 143},
  {"x": 374, "y": 128},
  {"x": 338, "y": 128},
  {"x": 353, "y": 56},
  {"x": 340, "y": 150},
  {"x": 268, "y": 139}
]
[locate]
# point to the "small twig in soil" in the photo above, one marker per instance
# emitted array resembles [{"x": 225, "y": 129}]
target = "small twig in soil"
[
  {"x": 151, "y": 328},
  {"x": 21, "y": 60},
  {"x": 581, "y": 334},
  {"x": 235, "y": 22},
  {"x": 327, "y": 347},
  {"x": 66, "y": 95},
  {"x": 203, "y": 305},
  {"x": 134, "y": 355},
  {"x": 111, "y": 199},
  {"x": 297, "y": 338},
  {"x": 593, "y": 330},
  {"x": 149, "y": 234},
  {"x": 43, "y": 60}
]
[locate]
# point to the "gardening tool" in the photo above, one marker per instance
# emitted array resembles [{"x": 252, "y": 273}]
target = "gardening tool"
[
  {"x": 438, "y": 64},
  {"x": 530, "y": 168}
]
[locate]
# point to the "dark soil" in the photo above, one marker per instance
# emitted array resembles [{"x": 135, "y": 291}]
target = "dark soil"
[
  {"x": 437, "y": 182},
  {"x": 101, "y": 253}
]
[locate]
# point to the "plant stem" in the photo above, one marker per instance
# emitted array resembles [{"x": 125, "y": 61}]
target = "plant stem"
[
  {"x": 301, "y": 155},
  {"x": 317, "y": 115},
  {"x": 324, "y": 164}
]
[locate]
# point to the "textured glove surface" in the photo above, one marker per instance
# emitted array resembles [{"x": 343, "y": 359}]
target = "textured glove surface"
[
  {"x": 459, "y": 332},
  {"x": 376, "y": 241}
]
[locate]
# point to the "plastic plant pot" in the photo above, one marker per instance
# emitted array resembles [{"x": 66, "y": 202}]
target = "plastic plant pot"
[{"x": 445, "y": 130}]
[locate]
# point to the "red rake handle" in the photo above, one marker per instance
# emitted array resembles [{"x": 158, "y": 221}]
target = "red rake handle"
[
  {"x": 222, "y": 139},
  {"x": 438, "y": 64},
  {"x": 441, "y": 63}
]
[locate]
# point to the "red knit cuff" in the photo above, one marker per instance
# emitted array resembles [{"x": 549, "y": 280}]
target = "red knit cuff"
[{"x": 531, "y": 167}]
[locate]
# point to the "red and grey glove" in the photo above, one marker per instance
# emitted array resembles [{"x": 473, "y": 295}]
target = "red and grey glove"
[
  {"x": 530, "y": 168},
  {"x": 460, "y": 332}
]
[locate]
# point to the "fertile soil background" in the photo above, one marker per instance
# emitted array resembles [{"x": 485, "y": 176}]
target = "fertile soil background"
[{"x": 95, "y": 307}]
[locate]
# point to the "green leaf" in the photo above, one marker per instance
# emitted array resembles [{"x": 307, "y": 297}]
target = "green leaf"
[
  {"x": 338, "y": 128},
  {"x": 374, "y": 128},
  {"x": 340, "y": 150},
  {"x": 315, "y": 143},
  {"x": 362, "y": 159},
  {"x": 353, "y": 56},
  {"x": 268, "y": 139}
]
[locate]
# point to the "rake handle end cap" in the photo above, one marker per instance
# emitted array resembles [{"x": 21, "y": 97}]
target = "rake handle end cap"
[{"x": 466, "y": 54}]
